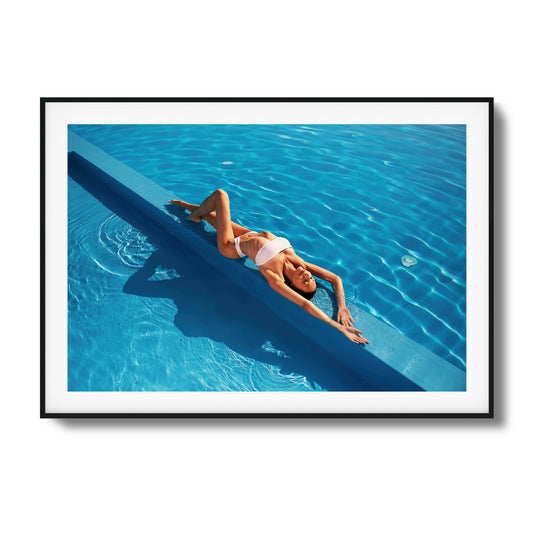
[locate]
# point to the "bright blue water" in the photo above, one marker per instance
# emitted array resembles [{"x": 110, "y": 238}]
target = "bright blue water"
[{"x": 354, "y": 199}]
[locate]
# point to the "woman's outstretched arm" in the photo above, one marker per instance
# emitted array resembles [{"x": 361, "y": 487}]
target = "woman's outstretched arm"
[
  {"x": 343, "y": 314},
  {"x": 346, "y": 329}
]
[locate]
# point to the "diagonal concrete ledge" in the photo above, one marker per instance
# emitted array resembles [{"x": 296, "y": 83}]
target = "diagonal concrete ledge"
[{"x": 390, "y": 362}]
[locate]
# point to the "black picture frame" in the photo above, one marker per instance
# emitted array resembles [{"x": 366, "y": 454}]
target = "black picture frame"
[{"x": 49, "y": 143}]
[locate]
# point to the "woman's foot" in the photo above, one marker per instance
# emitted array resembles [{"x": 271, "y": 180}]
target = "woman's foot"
[
  {"x": 189, "y": 207},
  {"x": 185, "y": 205}
]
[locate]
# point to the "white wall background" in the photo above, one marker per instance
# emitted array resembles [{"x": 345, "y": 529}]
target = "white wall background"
[{"x": 371, "y": 476}]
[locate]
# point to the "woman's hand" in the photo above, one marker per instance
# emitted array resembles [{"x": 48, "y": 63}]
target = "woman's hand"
[
  {"x": 345, "y": 317},
  {"x": 353, "y": 334}
]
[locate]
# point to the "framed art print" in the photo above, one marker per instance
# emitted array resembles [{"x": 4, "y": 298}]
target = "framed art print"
[{"x": 266, "y": 257}]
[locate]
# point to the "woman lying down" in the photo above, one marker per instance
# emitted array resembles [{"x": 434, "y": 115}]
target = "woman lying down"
[{"x": 285, "y": 272}]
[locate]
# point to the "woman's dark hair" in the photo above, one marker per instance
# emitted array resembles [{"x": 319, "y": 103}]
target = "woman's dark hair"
[{"x": 306, "y": 295}]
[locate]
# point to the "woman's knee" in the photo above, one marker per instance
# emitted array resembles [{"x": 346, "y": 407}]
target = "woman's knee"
[
  {"x": 221, "y": 194},
  {"x": 221, "y": 199}
]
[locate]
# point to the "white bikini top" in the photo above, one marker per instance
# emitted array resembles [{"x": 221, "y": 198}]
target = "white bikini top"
[{"x": 271, "y": 249}]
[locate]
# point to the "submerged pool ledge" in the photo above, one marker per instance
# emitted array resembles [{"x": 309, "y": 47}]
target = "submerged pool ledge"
[{"x": 390, "y": 362}]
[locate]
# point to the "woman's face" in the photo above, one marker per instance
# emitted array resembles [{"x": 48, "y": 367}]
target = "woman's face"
[{"x": 303, "y": 280}]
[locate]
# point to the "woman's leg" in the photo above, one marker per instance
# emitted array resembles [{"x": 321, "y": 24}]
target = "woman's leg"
[
  {"x": 218, "y": 201},
  {"x": 211, "y": 218}
]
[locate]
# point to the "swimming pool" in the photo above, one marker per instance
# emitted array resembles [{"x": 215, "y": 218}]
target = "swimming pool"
[{"x": 353, "y": 198}]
